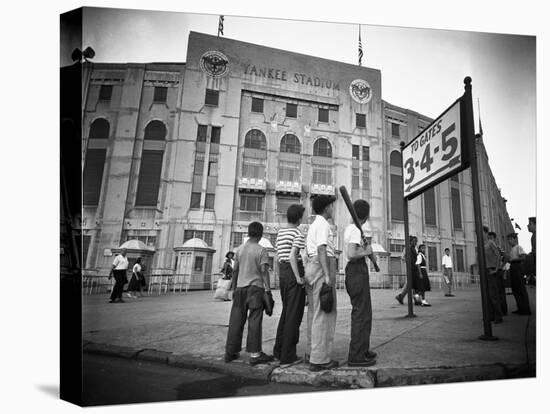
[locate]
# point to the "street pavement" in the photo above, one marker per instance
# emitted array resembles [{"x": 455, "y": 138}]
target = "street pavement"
[
  {"x": 440, "y": 344},
  {"x": 111, "y": 380}
]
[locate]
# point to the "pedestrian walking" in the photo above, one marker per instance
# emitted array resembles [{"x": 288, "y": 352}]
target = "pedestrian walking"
[
  {"x": 118, "y": 271},
  {"x": 320, "y": 269},
  {"x": 358, "y": 289},
  {"x": 501, "y": 277},
  {"x": 492, "y": 263},
  {"x": 134, "y": 286},
  {"x": 516, "y": 257},
  {"x": 421, "y": 281},
  {"x": 251, "y": 272},
  {"x": 413, "y": 256},
  {"x": 447, "y": 264},
  {"x": 227, "y": 268},
  {"x": 224, "y": 283},
  {"x": 290, "y": 268}
]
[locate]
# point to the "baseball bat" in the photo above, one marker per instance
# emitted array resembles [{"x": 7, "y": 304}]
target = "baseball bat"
[{"x": 355, "y": 218}]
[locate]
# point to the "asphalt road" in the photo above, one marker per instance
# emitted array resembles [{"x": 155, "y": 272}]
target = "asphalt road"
[{"x": 109, "y": 380}]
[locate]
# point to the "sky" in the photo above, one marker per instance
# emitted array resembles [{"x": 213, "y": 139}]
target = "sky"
[{"x": 422, "y": 70}]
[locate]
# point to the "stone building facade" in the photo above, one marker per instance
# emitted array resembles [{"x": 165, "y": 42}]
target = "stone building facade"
[{"x": 175, "y": 151}]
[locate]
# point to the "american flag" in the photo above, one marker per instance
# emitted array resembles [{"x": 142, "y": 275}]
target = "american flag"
[
  {"x": 360, "y": 47},
  {"x": 220, "y": 26}
]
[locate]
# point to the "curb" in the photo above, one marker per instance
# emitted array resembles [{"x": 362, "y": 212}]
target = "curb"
[
  {"x": 341, "y": 378},
  {"x": 236, "y": 368}
]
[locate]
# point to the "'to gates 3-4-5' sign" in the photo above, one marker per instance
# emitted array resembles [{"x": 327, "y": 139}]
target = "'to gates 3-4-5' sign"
[{"x": 435, "y": 154}]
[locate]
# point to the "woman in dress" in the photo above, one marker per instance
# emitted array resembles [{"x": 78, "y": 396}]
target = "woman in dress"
[
  {"x": 421, "y": 282},
  {"x": 135, "y": 282}
]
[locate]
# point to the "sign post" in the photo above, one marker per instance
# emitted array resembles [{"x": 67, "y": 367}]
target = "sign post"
[
  {"x": 408, "y": 258},
  {"x": 446, "y": 147},
  {"x": 471, "y": 146}
]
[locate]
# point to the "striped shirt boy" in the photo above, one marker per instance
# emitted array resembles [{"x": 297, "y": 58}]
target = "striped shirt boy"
[{"x": 287, "y": 238}]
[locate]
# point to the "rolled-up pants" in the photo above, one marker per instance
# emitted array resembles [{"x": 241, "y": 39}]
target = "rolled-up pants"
[
  {"x": 321, "y": 325},
  {"x": 248, "y": 303},
  {"x": 120, "y": 281}
]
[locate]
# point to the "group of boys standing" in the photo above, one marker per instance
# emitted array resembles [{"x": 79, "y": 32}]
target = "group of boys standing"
[{"x": 298, "y": 281}]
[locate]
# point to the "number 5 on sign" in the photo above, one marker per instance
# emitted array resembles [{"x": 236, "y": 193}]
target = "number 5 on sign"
[{"x": 434, "y": 154}]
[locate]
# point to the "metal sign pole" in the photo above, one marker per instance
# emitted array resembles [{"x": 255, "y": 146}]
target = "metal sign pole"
[
  {"x": 469, "y": 131},
  {"x": 407, "y": 247}
]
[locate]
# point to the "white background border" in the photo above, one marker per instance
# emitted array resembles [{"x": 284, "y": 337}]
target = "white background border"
[{"x": 30, "y": 159}]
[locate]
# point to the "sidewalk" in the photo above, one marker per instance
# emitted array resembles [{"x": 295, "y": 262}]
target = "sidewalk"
[{"x": 439, "y": 345}]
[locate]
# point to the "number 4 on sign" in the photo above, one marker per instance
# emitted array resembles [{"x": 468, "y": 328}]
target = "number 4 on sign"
[{"x": 426, "y": 159}]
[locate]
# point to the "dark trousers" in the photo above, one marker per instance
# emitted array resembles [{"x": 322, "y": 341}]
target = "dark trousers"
[
  {"x": 358, "y": 288},
  {"x": 293, "y": 296},
  {"x": 502, "y": 292},
  {"x": 248, "y": 303},
  {"x": 495, "y": 308},
  {"x": 518, "y": 288},
  {"x": 120, "y": 281}
]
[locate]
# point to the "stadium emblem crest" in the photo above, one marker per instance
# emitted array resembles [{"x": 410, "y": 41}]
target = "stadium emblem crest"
[
  {"x": 214, "y": 64},
  {"x": 360, "y": 91}
]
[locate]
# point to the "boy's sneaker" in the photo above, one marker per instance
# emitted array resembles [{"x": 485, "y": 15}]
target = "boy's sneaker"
[
  {"x": 370, "y": 354},
  {"x": 425, "y": 303},
  {"x": 321, "y": 367},
  {"x": 262, "y": 359},
  {"x": 399, "y": 299},
  {"x": 230, "y": 357}
]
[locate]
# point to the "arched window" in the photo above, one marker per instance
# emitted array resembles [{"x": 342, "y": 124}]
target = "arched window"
[
  {"x": 94, "y": 163},
  {"x": 290, "y": 143},
  {"x": 322, "y": 148},
  {"x": 99, "y": 129},
  {"x": 255, "y": 139},
  {"x": 151, "y": 164},
  {"x": 155, "y": 130},
  {"x": 396, "y": 186}
]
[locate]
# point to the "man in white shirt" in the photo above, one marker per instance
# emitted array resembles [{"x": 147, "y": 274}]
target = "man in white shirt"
[
  {"x": 447, "y": 264},
  {"x": 120, "y": 267},
  {"x": 321, "y": 268},
  {"x": 358, "y": 288}
]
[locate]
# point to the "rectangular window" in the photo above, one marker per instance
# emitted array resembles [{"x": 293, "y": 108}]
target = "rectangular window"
[
  {"x": 199, "y": 163},
  {"x": 355, "y": 178},
  {"x": 432, "y": 258},
  {"x": 366, "y": 154},
  {"x": 92, "y": 177},
  {"x": 215, "y": 137},
  {"x": 289, "y": 171},
  {"x": 459, "y": 259},
  {"x": 291, "y": 110},
  {"x": 323, "y": 115},
  {"x": 201, "y": 133},
  {"x": 360, "y": 120},
  {"x": 149, "y": 178},
  {"x": 236, "y": 238},
  {"x": 257, "y": 105},
  {"x": 195, "y": 200},
  {"x": 322, "y": 174},
  {"x": 396, "y": 197},
  {"x": 160, "y": 94},
  {"x": 395, "y": 130},
  {"x": 429, "y": 207},
  {"x": 105, "y": 92},
  {"x": 454, "y": 178},
  {"x": 396, "y": 247},
  {"x": 212, "y": 97},
  {"x": 355, "y": 152},
  {"x": 213, "y": 168},
  {"x": 366, "y": 180},
  {"x": 209, "y": 201},
  {"x": 455, "y": 203},
  {"x": 204, "y": 235},
  {"x": 251, "y": 202},
  {"x": 284, "y": 202},
  {"x": 253, "y": 168},
  {"x": 199, "y": 260}
]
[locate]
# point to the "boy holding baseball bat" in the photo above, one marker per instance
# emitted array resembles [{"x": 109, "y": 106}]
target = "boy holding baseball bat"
[{"x": 357, "y": 285}]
